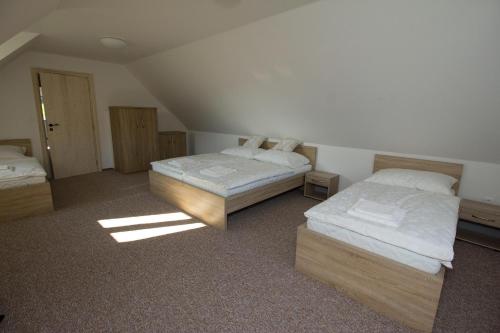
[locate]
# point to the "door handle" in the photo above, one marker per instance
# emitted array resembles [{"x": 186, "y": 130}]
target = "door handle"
[{"x": 51, "y": 126}]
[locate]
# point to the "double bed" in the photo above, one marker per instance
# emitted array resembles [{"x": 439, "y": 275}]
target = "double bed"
[
  {"x": 398, "y": 271},
  {"x": 24, "y": 189},
  {"x": 190, "y": 184}
]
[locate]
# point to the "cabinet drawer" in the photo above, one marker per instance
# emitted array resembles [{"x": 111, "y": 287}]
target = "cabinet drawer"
[
  {"x": 317, "y": 180},
  {"x": 485, "y": 218}
]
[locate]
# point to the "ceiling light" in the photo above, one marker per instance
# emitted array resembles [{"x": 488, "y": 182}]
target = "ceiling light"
[{"x": 113, "y": 42}]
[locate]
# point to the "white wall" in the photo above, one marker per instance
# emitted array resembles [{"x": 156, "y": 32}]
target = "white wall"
[
  {"x": 410, "y": 76},
  {"x": 480, "y": 180},
  {"x": 114, "y": 85}
]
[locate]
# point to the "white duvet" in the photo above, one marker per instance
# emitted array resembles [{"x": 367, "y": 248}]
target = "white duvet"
[
  {"x": 182, "y": 165},
  {"x": 246, "y": 172},
  {"x": 428, "y": 228},
  {"x": 221, "y": 173},
  {"x": 19, "y": 168}
]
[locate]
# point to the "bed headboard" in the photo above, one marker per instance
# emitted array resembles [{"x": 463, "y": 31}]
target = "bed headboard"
[
  {"x": 308, "y": 151},
  {"x": 450, "y": 169},
  {"x": 26, "y": 143}
]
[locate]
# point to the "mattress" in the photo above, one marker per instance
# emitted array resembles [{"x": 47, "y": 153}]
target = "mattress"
[
  {"x": 247, "y": 174},
  {"x": 428, "y": 228},
  {"x": 395, "y": 253},
  {"x": 22, "y": 172}
]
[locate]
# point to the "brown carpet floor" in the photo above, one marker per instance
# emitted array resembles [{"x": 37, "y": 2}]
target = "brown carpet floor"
[{"x": 63, "y": 272}]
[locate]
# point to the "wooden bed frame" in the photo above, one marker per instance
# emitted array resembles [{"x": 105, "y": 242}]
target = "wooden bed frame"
[
  {"x": 24, "y": 201},
  {"x": 212, "y": 208},
  {"x": 393, "y": 289}
]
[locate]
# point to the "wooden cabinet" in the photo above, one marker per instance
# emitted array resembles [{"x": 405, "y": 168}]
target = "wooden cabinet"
[
  {"x": 172, "y": 144},
  {"x": 135, "y": 137}
]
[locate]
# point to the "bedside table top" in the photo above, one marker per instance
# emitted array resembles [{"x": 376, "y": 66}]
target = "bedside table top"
[
  {"x": 466, "y": 204},
  {"x": 322, "y": 174}
]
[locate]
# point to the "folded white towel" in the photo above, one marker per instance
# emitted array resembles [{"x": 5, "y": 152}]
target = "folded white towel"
[
  {"x": 4, "y": 167},
  {"x": 390, "y": 215},
  {"x": 217, "y": 171}
]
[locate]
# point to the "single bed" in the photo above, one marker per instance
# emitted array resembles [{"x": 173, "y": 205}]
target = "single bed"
[
  {"x": 24, "y": 189},
  {"x": 396, "y": 271},
  {"x": 187, "y": 188}
]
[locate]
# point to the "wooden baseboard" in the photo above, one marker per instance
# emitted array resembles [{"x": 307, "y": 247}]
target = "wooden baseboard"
[
  {"x": 25, "y": 201},
  {"x": 398, "y": 291}
]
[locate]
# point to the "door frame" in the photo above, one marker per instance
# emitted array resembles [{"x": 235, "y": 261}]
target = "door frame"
[{"x": 97, "y": 143}]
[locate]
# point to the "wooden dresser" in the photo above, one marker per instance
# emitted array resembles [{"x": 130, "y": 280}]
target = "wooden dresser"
[
  {"x": 172, "y": 144},
  {"x": 135, "y": 137}
]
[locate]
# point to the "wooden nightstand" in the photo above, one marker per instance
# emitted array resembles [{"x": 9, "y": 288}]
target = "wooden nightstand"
[
  {"x": 481, "y": 213},
  {"x": 321, "y": 185}
]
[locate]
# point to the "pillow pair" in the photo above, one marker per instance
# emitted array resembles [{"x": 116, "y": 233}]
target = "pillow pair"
[
  {"x": 288, "y": 144},
  {"x": 279, "y": 157}
]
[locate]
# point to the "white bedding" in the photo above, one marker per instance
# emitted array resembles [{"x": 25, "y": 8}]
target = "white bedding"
[
  {"x": 428, "y": 228},
  {"x": 395, "y": 253},
  {"x": 198, "y": 170},
  {"x": 21, "y": 172}
]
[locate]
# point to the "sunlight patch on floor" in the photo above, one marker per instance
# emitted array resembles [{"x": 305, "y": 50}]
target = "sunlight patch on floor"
[
  {"x": 147, "y": 219},
  {"x": 134, "y": 235}
]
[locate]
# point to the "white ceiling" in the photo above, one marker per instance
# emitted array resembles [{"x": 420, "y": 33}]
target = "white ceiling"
[{"x": 149, "y": 26}]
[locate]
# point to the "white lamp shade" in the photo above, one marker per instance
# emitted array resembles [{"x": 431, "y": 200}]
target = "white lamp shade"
[{"x": 113, "y": 42}]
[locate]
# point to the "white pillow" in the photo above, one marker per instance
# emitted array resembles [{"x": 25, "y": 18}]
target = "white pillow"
[
  {"x": 287, "y": 144},
  {"x": 421, "y": 180},
  {"x": 243, "y": 152},
  {"x": 7, "y": 151},
  {"x": 285, "y": 158},
  {"x": 254, "y": 141}
]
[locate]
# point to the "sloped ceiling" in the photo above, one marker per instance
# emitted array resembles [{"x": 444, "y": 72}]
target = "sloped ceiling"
[
  {"x": 17, "y": 15},
  {"x": 405, "y": 76},
  {"x": 15, "y": 45},
  {"x": 148, "y": 26}
]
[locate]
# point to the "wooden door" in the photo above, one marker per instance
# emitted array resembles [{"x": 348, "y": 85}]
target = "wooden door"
[
  {"x": 125, "y": 133},
  {"x": 172, "y": 144},
  {"x": 149, "y": 137},
  {"x": 180, "y": 144},
  {"x": 71, "y": 135},
  {"x": 164, "y": 146}
]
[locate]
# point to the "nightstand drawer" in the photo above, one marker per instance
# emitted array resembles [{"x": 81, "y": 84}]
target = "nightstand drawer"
[
  {"x": 485, "y": 218},
  {"x": 317, "y": 180},
  {"x": 480, "y": 212}
]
